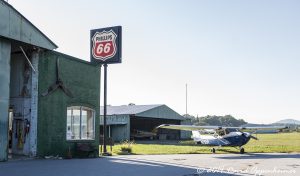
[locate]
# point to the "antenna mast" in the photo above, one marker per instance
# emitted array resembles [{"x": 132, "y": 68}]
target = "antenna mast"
[{"x": 186, "y": 106}]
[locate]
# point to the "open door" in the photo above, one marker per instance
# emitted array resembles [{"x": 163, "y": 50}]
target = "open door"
[{"x": 21, "y": 138}]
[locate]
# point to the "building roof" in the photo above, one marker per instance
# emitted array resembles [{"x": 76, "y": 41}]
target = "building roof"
[
  {"x": 128, "y": 109},
  {"x": 13, "y": 25},
  {"x": 152, "y": 111}
]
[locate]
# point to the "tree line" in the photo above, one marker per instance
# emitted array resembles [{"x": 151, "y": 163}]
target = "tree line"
[{"x": 226, "y": 120}]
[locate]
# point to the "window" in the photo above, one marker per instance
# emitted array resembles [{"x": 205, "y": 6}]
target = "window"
[{"x": 80, "y": 123}]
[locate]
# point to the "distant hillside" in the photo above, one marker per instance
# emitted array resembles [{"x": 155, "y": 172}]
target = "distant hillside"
[
  {"x": 229, "y": 120},
  {"x": 288, "y": 121},
  {"x": 255, "y": 125},
  {"x": 226, "y": 120}
]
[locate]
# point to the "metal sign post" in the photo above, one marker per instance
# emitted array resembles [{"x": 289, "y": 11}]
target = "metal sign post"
[
  {"x": 106, "y": 48},
  {"x": 105, "y": 110}
]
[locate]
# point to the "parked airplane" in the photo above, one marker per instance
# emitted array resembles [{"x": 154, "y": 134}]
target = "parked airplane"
[
  {"x": 141, "y": 134},
  {"x": 221, "y": 136}
]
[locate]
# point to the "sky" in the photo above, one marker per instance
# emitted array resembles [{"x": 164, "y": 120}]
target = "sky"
[{"x": 237, "y": 57}]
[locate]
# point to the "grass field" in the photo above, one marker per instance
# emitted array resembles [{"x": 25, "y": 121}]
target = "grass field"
[{"x": 267, "y": 143}]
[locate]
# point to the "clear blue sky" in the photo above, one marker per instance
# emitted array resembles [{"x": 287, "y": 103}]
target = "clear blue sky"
[{"x": 237, "y": 57}]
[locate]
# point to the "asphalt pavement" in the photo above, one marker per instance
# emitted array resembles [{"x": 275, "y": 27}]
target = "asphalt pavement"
[{"x": 158, "y": 165}]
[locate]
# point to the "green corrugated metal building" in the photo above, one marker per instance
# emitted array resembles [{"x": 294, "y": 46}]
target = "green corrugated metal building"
[
  {"x": 48, "y": 102},
  {"x": 138, "y": 122}
]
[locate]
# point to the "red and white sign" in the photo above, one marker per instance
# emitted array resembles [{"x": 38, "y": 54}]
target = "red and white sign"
[{"x": 104, "y": 45}]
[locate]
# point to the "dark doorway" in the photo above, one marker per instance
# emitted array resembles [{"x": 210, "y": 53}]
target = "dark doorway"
[{"x": 147, "y": 124}]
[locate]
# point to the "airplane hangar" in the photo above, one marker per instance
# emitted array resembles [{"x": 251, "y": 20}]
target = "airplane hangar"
[
  {"x": 138, "y": 121},
  {"x": 46, "y": 103}
]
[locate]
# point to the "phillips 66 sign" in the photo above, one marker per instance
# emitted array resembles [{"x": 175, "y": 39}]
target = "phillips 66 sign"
[{"x": 106, "y": 45}]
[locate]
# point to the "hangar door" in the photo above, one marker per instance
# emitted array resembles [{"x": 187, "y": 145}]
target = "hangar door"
[{"x": 147, "y": 124}]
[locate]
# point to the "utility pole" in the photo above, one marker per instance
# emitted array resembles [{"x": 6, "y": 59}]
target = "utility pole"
[{"x": 186, "y": 106}]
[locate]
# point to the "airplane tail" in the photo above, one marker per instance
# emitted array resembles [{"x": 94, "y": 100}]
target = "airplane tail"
[{"x": 196, "y": 134}]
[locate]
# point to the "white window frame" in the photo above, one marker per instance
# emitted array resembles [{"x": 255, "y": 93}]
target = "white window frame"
[{"x": 80, "y": 122}]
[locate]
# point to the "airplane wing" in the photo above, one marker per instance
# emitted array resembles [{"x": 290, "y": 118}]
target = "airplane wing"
[
  {"x": 188, "y": 127},
  {"x": 262, "y": 128},
  {"x": 197, "y": 128}
]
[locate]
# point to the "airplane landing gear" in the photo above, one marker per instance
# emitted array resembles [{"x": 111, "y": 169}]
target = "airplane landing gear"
[
  {"x": 213, "y": 150},
  {"x": 242, "y": 150}
]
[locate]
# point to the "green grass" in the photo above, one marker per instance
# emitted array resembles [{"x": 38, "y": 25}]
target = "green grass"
[
  {"x": 267, "y": 143},
  {"x": 282, "y": 142}
]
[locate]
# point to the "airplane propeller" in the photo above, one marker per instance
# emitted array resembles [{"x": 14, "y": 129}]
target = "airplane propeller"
[
  {"x": 253, "y": 137},
  {"x": 58, "y": 84},
  {"x": 249, "y": 135}
]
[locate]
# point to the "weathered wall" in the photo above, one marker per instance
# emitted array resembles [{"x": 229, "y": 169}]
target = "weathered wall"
[
  {"x": 185, "y": 134},
  {"x": 34, "y": 104},
  {"x": 119, "y": 126},
  {"x": 5, "y": 48},
  {"x": 120, "y": 132},
  {"x": 20, "y": 102},
  {"x": 115, "y": 119},
  {"x": 83, "y": 80},
  {"x": 14, "y": 25},
  {"x": 17, "y": 77}
]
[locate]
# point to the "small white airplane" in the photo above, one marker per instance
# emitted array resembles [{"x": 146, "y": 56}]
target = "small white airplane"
[{"x": 221, "y": 136}]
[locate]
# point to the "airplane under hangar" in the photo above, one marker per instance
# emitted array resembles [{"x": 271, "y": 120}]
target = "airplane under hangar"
[{"x": 138, "y": 121}]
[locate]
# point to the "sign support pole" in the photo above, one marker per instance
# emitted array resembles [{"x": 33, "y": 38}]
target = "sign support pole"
[
  {"x": 100, "y": 84},
  {"x": 105, "y": 110},
  {"x": 106, "y": 48}
]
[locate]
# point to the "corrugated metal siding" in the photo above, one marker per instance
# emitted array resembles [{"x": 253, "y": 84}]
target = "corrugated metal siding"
[
  {"x": 127, "y": 109},
  {"x": 5, "y": 48},
  {"x": 154, "y": 111},
  {"x": 119, "y": 125},
  {"x": 115, "y": 119},
  {"x": 120, "y": 132},
  {"x": 14, "y": 25}
]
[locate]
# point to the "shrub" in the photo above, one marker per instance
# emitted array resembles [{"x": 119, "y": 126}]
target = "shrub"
[{"x": 126, "y": 146}]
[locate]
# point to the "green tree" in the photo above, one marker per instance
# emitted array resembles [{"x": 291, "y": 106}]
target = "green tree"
[{"x": 226, "y": 120}]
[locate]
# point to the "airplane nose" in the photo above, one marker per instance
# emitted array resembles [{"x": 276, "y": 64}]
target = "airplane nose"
[{"x": 247, "y": 134}]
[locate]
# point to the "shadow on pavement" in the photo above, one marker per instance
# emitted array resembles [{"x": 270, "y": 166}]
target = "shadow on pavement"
[
  {"x": 168, "y": 165},
  {"x": 107, "y": 166},
  {"x": 260, "y": 156}
]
